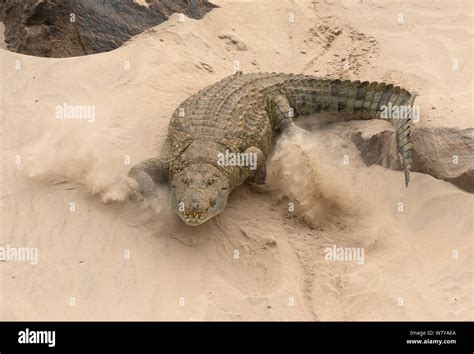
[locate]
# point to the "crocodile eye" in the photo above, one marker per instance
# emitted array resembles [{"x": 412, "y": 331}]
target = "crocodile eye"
[{"x": 211, "y": 181}]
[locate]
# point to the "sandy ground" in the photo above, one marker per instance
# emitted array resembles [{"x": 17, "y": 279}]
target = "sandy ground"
[{"x": 257, "y": 260}]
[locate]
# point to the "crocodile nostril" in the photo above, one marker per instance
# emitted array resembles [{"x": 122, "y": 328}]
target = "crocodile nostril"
[{"x": 194, "y": 204}]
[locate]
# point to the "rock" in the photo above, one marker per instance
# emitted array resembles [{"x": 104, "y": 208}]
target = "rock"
[
  {"x": 444, "y": 153},
  {"x": 65, "y": 28},
  {"x": 206, "y": 67},
  {"x": 233, "y": 40},
  {"x": 378, "y": 148}
]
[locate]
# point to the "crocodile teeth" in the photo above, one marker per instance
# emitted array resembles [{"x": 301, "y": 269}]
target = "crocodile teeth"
[{"x": 196, "y": 214}]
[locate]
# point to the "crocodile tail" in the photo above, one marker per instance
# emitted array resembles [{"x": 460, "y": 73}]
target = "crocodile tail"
[{"x": 358, "y": 100}]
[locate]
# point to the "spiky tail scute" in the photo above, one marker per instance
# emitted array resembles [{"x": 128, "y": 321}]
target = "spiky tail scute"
[{"x": 360, "y": 100}]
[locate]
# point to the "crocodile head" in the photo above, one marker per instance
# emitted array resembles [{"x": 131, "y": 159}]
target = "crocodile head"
[{"x": 199, "y": 192}]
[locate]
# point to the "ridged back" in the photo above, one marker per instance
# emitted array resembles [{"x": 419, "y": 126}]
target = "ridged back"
[{"x": 233, "y": 111}]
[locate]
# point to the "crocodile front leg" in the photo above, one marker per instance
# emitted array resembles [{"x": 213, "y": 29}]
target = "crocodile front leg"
[{"x": 148, "y": 174}]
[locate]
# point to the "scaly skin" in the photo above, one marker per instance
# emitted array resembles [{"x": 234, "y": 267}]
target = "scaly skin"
[{"x": 242, "y": 114}]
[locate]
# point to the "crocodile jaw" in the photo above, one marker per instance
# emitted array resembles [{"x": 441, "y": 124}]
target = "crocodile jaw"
[{"x": 196, "y": 218}]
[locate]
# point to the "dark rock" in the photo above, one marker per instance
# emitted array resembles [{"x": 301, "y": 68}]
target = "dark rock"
[
  {"x": 378, "y": 148},
  {"x": 65, "y": 28},
  {"x": 444, "y": 153},
  {"x": 2, "y": 6}
]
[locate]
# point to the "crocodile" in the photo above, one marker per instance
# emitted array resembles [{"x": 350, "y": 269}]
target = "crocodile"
[{"x": 215, "y": 134}]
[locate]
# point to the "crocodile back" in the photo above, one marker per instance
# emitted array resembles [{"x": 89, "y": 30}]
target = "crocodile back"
[{"x": 230, "y": 112}]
